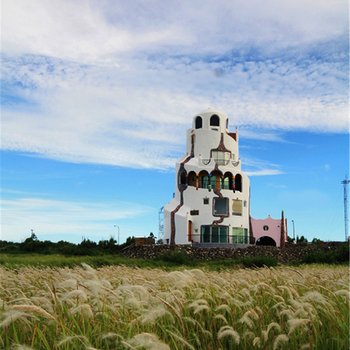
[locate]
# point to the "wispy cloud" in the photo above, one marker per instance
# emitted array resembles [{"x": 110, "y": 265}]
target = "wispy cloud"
[
  {"x": 257, "y": 167},
  {"x": 102, "y": 29},
  {"x": 263, "y": 172},
  {"x": 54, "y": 217},
  {"x": 263, "y": 135},
  {"x": 118, "y": 83}
]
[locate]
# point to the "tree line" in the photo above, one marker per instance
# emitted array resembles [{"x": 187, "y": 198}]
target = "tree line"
[{"x": 86, "y": 247}]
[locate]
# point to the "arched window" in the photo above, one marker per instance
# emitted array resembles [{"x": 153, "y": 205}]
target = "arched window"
[
  {"x": 212, "y": 181},
  {"x": 199, "y": 122},
  {"x": 216, "y": 179},
  {"x": 214, "y": 120},
  {"x": 238, "y": 182},
  {"x": 192, "y": 178},
  {"x": 203, "y": 179},
  {"x": 182, "y": 177},
  {"x": 228, "y": 181}
]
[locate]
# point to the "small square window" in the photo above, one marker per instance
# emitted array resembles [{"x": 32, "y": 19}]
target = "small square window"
[
  {"x": 206, "y": 200},
  {"x": 220, "y": 206},
  {"x": 237, "y": 207}
]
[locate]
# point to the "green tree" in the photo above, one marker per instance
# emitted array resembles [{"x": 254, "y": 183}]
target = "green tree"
[{"x": 302, "y": 239}]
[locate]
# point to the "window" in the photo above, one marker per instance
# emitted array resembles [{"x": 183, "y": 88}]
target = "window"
[
  {"x": 221, "y": 158},
  {"x": 205, "y": 234},
  {"x": 265, "y": 228},
  {"x": 238, "y": 183},
  {"x": 194, "y": 212},
  {"x": 223, "y": 234},
  {"x": 205, "y": 182},
  {"x": 199, "y": 122},
  {"x": 213, "y": 181},
  {"x": 203, "y": 179},
  {"x": 214, "y": 234},
  {"x": 182, "y": 177},
  {"x": 206, "y": 200},
  {"x": 214, "y": 120},
  {"x": 192, "y": 177},
  {"x": 228, "y": 182},
  {"x": 220, "y": 206},
  {"x": 240, "y": 235},
  {"x": 237, "y": 207}
]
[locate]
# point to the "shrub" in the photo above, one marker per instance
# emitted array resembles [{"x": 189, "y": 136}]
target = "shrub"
[
  {"x": 259, "y": 261},
  {"x": 177, "y": 257},
  {"x": 338, "y": 256}
]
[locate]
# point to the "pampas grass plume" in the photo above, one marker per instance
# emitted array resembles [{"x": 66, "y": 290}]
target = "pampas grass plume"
[
  {"x": 228, "y": 331},
  {"x": 280, "y": 339}
]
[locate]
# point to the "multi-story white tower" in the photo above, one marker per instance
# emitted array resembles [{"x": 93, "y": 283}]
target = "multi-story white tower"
[{"x": 211, "y": 202}]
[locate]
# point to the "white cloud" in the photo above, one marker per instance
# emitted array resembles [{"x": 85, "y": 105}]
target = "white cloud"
[
  {"x": 102, "y": 30},
  {"x": 112, "y": 116},
  {"x": 262, "y": 135},
  {"x": 54, "y": 217},
  {"x": 257, "y": 167},
  {"x": 74, "y": 30},
  {"x": 264, "y": 172},
  {"x": 118, "y": 82}
]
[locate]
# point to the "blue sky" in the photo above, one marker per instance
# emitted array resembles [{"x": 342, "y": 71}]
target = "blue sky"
[{"x": 96, "y": 97}]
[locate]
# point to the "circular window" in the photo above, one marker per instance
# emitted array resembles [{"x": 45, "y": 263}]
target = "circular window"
[{"x": 265, "y": 228}]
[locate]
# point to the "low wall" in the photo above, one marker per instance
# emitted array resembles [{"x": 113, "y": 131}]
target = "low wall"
[{"x": 291, "y": 253}]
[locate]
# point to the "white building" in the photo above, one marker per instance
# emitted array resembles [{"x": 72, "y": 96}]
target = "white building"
[{"x": 211, "y": 202}]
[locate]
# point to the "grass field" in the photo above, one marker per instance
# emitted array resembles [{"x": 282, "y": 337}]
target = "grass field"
[
  {"x": 168, "y": 262},
  {"x": 120, "y": 307}
]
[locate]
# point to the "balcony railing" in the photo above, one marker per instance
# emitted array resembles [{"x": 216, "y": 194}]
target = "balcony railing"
[{"x": 224, "y": 239}]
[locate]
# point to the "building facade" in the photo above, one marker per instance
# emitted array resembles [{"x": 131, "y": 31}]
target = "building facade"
[
  {"x": 211, "y": 202},
  {"x": 270, "y": 231}
]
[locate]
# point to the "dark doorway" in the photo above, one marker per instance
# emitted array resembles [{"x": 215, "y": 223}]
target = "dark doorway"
[{"x": 265, "y": 240}]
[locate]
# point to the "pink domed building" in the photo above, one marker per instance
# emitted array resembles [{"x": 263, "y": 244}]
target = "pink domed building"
[{"x": 269, "y": 231}]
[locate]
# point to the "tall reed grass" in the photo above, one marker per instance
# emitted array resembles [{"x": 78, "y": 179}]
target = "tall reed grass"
[{"x": 127, "y": 308}]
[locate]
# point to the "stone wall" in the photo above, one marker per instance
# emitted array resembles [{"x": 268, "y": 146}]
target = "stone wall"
[{"x": 291, "y": 253}]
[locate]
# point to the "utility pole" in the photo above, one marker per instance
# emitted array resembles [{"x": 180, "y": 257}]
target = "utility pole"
[
  {"x": 118, "y": 232},
  {"x": 161, "y": 223},
  {"x": 293, "y": 231},
  {"x": 345, "y": 183}
]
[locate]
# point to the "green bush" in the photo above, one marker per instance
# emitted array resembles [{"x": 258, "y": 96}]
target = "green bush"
[
  {"x": 338, "y": 256},
  {"x": 176, "y": 257},
  {"x": 258, "y": 261}
]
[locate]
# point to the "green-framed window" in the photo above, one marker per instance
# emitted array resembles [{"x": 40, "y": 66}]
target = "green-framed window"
[{"x": 214, "y": 234}]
